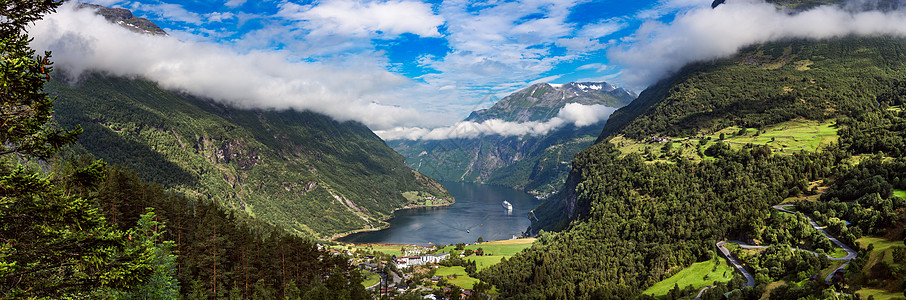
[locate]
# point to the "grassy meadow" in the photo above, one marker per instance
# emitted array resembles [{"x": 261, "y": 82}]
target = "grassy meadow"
[
  {"x": 699, "y": 275},
  {"x": 796, "y": 135},
  {"x": 462, "y": 279},
  {"x": 493, "y": 251},
  {"x": 900, "y": 193},
  {"x": 370, "y": 278},
  {"x": 879, "y": 294},
  {"x": 386, "y": 249},
  {"x": 882, "y": 249},
  {"x": 882, "y": 252}
]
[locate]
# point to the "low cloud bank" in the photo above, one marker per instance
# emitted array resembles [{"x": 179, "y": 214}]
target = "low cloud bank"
[
  {"x": 572, "y": 114},
  {"x": 658, "y": 49},
  {"x": 81, "y": 42}
]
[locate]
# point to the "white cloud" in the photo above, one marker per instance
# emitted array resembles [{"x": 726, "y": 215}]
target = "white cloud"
[
  {"x": 587, "y": 38},
  {"x": 601, "y": 29},
  {"x": 353, "y": 18},
  {"x": 668, "y": 7},
  {"x": 82, "y": 41},
  {"x": 594, "y": 66},
  {"x": 497, "y": 43},
  {"x": 583, "y": 115},
  {"x": 658, "y": 49},
  {"x": 219, "y": 16},
  {"x": 234, "y": 3},
  {"x": 169, "y": 11},
  {"x": 503, "y": 45},
  {"x": 108, "y": 3},
  {"x": 572, "y": 114}
]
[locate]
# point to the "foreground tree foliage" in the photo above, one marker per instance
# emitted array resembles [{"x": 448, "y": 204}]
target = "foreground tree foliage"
[
  {"x": 53, "y": 244},
  {"x": 228, "y": 254},
  {"x": 73, "y": 228}
]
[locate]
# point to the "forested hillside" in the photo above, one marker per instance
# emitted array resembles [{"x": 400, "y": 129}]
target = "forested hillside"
[
  {"x": 764, "y": 85},
  {"x": 221, "y": 253},
  {"x": 534, "y": 164},
  {"x": 298, "y": 170},
  {"x": 631, "y": 218}
]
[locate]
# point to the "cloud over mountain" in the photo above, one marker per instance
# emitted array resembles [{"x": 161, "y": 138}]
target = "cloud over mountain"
[
  {"x": 574, "y": 114},
  {"x": 82, "y": 41},
  {"x": 657, "y": 49}
]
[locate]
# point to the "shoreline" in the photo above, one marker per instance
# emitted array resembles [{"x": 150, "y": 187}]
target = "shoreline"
[{"x": 335, "y": 237}]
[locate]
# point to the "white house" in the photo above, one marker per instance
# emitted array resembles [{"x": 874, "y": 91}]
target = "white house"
[{"x": 410, "y": 261}]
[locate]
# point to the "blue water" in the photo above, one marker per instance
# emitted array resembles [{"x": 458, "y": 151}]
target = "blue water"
[{"x": 478, "y": 212}]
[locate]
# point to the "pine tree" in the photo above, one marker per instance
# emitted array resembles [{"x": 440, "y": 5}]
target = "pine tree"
[
  {"x": 162, "y": 283},
  {"x": 53, "y": 241}
]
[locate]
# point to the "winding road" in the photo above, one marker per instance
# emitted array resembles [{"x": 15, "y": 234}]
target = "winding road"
[{"x": 750, "y": 280}]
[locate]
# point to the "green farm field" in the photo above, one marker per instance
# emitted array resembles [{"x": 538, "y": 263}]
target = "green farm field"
[
  {"x": 370, "y": 279},
  {"x": 900, "y": 193},
  {"x": 698, "y": 275},
  {"x": 838, "y": 252},
  {"x": 386, "y": 249},
  {"x": 881, "y": 248},
  {"x": 879, "y": 294},
  {"x": 882, "y": 252},
  {"x": 796, "y": 135},
  {"x": 462, "y": 279},
  {"x": 494, "y": 251}
]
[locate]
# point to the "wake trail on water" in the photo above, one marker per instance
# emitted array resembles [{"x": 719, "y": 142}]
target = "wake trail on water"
[{"x": 463, "y": 226}]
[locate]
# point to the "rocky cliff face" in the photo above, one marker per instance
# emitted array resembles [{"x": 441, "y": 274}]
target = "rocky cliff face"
[{"x": 125, "y": 18}]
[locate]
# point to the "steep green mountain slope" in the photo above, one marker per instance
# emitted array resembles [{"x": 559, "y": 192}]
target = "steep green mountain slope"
[
  {"x": 536, "y": 164},
  {"x": 299, "y": 170},
  {"x": 631, "y": 221},
  {"x": 764, "y": 85}
]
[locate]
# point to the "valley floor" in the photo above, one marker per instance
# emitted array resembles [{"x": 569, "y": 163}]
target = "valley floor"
[{"x": 376, "y": 259}]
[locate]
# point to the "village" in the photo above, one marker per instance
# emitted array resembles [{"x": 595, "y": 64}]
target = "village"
[{"x": 429, "y": 272}]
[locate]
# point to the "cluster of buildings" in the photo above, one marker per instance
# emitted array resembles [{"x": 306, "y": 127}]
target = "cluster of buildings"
[
  {"x": 658, "y": 140},
  {"x": 411, "y": 261}
]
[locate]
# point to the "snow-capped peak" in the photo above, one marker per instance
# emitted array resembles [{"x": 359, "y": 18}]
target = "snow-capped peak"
[{"x": 597, "y": 86}]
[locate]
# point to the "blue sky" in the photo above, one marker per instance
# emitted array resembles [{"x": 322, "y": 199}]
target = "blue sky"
[
  {"x": 492, "y": 45},
  {"x": 465, "y": 50},
  {"x": 408, "y": 66}
]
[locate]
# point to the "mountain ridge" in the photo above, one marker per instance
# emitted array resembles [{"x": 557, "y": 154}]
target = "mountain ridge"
[
  {"x": 299, "y": 170},
  {"x": 125, "y": 18},
  {"x": 536, "y": 164},
  {"x": 542, "y": 101}
]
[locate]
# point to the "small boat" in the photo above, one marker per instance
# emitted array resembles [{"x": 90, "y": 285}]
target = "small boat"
[{"x": 507, "y": 205}]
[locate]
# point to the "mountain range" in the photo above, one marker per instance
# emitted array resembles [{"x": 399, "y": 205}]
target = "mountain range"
[
  {"x": 299, "y": 170},
  {"x": 542, "y": 101},
  {"x": 534, "y": 163},
  {"x": 694, "y": 163}
]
